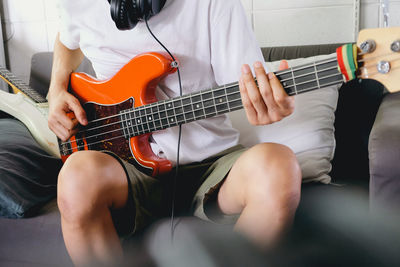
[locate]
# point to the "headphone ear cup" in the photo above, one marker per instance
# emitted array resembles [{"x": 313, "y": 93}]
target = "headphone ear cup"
[
  {"x": 156, "y": 6},
  {"x": 150, "y": 8},
  {"x": 123, "y": 12}
]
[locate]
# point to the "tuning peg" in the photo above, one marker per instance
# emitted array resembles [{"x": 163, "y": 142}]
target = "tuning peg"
[
  {"x": 395, "y": 46},
  {"x": 383, "y": 67},
  {"x": 368, "y": 46}
]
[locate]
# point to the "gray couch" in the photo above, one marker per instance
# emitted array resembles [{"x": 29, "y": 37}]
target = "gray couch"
[{"x": 37, "y": 241}]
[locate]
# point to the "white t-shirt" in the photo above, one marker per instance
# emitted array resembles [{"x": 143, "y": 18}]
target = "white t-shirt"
[{"x": 210, "y": 38}]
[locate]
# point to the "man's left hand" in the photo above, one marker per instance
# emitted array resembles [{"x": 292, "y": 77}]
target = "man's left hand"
[{"x": 268, "y": 102}]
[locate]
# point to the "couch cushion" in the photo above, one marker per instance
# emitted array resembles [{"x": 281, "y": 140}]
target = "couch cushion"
[
  {"x": 34, "y": 241},
  {"x": 309, "y": 131}
]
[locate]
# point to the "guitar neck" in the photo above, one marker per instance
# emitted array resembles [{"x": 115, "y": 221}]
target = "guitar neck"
[
  {"x": 212, "y": 102},
  {"x": 19, "y": 85}
]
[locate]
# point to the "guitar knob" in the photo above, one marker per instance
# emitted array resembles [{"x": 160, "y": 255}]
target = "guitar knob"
[
  {"x": 368, "y": 46},
  {"x": 395, "y": 46}
]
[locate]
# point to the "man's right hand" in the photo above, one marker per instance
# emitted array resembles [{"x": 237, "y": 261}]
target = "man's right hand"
[
  {"x": 65, "y": 114},
  {"x": 65, "y": 111}
]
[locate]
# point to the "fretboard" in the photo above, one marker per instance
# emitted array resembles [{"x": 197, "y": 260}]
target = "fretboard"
[
  {"x": 16, "y": 83},
  {"x": 212, "y": 102}
]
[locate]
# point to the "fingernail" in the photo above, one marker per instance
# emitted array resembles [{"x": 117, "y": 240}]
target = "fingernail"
[
  {"x": 258, "y": 64},
  {"x": 246, "y": 69},
  {"x": 271, "y": 75}
]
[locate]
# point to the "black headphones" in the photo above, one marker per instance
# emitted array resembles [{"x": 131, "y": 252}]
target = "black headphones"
[{"x": 127, "y": 13}]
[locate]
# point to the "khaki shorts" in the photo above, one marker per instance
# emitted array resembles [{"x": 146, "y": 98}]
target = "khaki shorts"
[{"x": 196, "y": 190}]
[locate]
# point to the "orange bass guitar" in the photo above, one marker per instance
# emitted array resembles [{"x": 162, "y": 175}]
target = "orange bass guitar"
[{"x": 123, "y": 111}]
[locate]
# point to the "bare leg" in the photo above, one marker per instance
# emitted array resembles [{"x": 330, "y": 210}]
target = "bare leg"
[
  {"x": 264, "y": 187},
  {"x": 90, "y": 184}
]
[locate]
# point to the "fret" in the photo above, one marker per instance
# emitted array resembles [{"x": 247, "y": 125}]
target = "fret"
[
  {"x": 309, "y": 76},
  {"x": 132, "y": 118},
  {"x": 234, "y": 99},
  {"x": 327, "y": 72},
  {"x": 220, "y": 100},
  {"x": 202, "y": 105},
  {"x": 124, "y": 124},
  {"x": 304, "y": 78},
  {"x": 329, "y": 79},
  {"x": 227, "y": 98},
  {"x": 132, "y": 124},
  {"x": 208, "y": 104},
  {"x": 287, "y": 81},
  {"x": 188, "y": 108},
  {"x": 138, "y": 122},
  {"x": 294, "y": 81},
  {"x": 143, "y": 117},
  {"x": 21, "y": 86},
  {"x": 149, "y": 117},
  {"x": 198, "y": 108},
  {"x": 181, "y": 118},
  {"x": 316, "y": 74},
  {"x": 127, "y": 123},
  {"x": 163, "y": 115},
  {"x": 171, "y": 113},
  {"x": 236, "y": 104},
  {"x": 156, "y": 117},
  {"x": 178, "y": 110}
]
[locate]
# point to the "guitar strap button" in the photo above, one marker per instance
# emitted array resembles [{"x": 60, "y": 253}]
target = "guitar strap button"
[{"x": 174, "y": 64}]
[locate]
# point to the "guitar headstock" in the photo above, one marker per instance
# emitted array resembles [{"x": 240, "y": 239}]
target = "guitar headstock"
[{"x": 379, "y": 56}]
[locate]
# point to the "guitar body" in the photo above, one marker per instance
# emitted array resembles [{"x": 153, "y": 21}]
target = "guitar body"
[
  {"x": 133, "y": 86},
  {"x": 34, "y": 116}
]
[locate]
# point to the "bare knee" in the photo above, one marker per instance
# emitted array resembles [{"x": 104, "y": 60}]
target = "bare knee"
[
  {"x": 82, "y": 186},
  {"x": 276, "y": 178}
]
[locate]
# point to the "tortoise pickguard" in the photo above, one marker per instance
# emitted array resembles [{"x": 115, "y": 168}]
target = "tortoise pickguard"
[{"x": 106, "y": 134}]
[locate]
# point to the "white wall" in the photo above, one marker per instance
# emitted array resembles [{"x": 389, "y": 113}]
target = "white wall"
[
  {"x": 31, "y": 25},
  {"x": 278, "y": 22},
  {"x": 371, "y": 13}
]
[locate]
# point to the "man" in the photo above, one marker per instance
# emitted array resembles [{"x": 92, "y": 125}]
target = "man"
[{"x": 257, "y": 189}]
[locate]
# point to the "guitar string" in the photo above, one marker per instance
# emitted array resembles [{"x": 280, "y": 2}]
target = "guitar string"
[
  {"x": 151, "y": 114},
  {"x": 23, "y": 88},
  {"x": 375, "y": 57},
  {"x": 232, "y": 85},
  {"x": 78, "y": 147},
  {"x": 374, "y": 64},
  {"x": 14, "y": 81},
  {"x": 359, "y": 76},
  {"x": 236, "y": 84},
  {"x": 367, "y": 75},
  {"x": 147, "y": 107}
]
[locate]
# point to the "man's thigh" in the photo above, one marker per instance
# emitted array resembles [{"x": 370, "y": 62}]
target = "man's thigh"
[{"x": 28, "y": 174}]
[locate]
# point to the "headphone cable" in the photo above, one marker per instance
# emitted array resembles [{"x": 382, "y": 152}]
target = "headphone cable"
[{"x": 179, "y": 134}]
